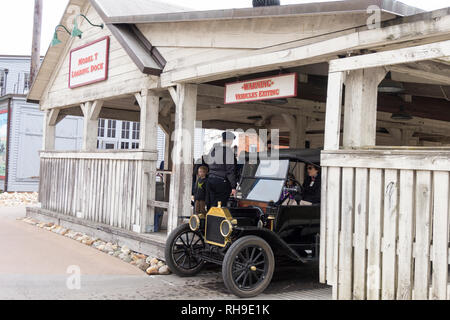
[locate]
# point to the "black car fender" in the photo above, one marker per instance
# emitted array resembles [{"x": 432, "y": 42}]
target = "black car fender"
[{"x": 277, "y": 244}]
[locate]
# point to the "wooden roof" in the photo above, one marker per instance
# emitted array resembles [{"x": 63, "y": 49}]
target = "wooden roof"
[{"x": 130, "y": 14}]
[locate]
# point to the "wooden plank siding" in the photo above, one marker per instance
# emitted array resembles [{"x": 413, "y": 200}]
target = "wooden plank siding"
[
  {"x": 100, "y": 187},
  {"x": 391, "y": 224}
]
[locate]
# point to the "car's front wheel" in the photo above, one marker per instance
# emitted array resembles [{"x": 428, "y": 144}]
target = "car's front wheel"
[
  {"x": 248, "y": 266},
  {"x": 182, "y": 251}
]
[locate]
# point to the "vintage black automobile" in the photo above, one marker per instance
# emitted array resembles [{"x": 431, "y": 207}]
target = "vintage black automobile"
[{"x": 253, "y": 232}]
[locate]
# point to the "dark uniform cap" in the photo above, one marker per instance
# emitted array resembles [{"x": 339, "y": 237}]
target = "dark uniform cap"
[{"x": 228, "y": 136}]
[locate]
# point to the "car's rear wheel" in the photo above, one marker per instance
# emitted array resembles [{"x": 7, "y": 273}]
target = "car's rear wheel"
[
  {"x": 248, "y": 266},
  {"x": 182, "y": 251}
]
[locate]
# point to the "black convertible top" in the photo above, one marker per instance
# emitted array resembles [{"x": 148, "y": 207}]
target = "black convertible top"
[{"x": 311, "y": 156}]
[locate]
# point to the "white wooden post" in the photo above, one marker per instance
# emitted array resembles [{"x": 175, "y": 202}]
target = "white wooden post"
[
  {"x": 149, "y": 104},
  {"x": 360, "y": 115},
  {"x": 168, "y": 165},
  {"x": 91, "y": 112},
  {"x": 329, "y": 217},
  {"x": 333, "y": 111},
  {"x": 48, "y": 134},
  {"x": 182, "y": 155}
]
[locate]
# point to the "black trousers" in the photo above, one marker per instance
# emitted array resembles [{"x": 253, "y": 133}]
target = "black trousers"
[{"x": 218, "y": 190}]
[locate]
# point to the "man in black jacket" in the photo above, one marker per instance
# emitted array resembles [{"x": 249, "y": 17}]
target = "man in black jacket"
[{"x": 222, "y": 171}]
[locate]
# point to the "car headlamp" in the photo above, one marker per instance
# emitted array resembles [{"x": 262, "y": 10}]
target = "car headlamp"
[
  {"x": 226, "y": 228},
  {"x": 194, "y": 222}
]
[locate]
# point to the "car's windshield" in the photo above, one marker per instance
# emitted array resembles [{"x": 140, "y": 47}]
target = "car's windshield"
[{"x": 263, "y": 181}]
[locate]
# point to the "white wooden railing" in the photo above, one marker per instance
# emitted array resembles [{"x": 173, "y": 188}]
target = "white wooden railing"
[
  {"x": 108, "y": 187},
  {"x": 385, "y": 223}
]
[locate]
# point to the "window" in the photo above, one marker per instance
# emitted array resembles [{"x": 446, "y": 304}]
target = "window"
[
  {"x": 125, "y": 130},
  {"x": 136, "y": 129},
  {"x": 111, "y": 132},
  {"x": 2, "y": 81},
  {"x": 26, "y": 82},
  {"x": 134, "y": 145},
  {"x": 101, "y": 127},
  {"x": 124, "y": 145}
]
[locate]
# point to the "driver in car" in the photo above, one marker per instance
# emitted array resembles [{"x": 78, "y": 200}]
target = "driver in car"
[{"x": 311, "y": 187}]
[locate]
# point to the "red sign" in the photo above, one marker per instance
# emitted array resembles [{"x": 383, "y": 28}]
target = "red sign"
[
  {"x": 282, "y": 86},
  {"x": 89, "y": 63}
]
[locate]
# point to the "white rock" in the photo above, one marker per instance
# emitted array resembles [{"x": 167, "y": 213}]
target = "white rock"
[
  {"x": 164, "y": 270},
  {"x": 152, "y": 270},
  {"x": 125, "y": 250},
  {"x": 154, "y": 262}
]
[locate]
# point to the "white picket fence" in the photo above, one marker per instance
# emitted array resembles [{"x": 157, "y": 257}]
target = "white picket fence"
[
  {"x": 104, "y": 187},
  {"x": 385, "y": 224}
]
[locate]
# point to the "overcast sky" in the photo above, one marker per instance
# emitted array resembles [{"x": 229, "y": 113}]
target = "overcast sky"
[{"x": 16, "y": 18}]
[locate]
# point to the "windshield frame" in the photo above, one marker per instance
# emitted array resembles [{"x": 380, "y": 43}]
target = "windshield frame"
[{"x": 254, "y": 177}]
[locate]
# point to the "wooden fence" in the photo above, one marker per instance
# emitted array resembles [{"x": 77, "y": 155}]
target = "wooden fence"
[
  {"x": 385, "y": 224},
  {"x": 105, "y": 187}
]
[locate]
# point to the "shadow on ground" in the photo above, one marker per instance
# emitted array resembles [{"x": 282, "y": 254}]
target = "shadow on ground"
[{"x": 287, "y": 278}]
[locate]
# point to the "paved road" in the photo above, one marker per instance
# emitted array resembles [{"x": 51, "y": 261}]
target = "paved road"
[{"x": 34, "y": 264}]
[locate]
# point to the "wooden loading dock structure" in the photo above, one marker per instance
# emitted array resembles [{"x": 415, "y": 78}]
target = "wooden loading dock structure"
[{"x": 385, "y": 202}]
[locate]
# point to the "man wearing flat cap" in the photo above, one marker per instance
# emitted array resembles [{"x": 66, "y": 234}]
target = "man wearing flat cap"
[{"x": 222, "y": 171}]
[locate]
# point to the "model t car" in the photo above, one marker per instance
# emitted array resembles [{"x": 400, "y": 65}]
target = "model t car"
[{"x": 249, "y": 235}]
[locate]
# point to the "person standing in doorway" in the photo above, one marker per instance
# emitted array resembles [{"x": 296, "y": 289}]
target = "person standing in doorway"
[{"x": 222, "y": 171}]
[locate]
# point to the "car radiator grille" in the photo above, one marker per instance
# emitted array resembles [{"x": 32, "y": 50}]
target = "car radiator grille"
[{"x": 213, "y": 229}]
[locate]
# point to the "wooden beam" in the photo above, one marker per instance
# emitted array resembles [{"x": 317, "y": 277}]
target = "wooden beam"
[
  {"x": 149, "y": 104},
  {"x": 173, "y": 94},
  {"x": 438, "y": 72},
  {"x": 52, "y": 117},
  {"x": 91, "y": 111},
  {"x": 49, "y": 129},
  {"x": 96, "y": 108},
  {"x": 360, "y": 116},
  {"x": 119, "y": 114},
  {"x": 333, "y": 114},
  {"x": 393, "y": 57},
  {"x": 308, "y": 54},
  {"x": 182, "y": 155}
]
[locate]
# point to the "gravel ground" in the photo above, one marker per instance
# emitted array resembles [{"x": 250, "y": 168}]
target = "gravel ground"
[{"x": 15, "y": 199}]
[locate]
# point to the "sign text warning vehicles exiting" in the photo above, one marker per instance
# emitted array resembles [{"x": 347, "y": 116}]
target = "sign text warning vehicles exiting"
[
  {"x": 276, "y": 87},
  {"x": 89, "y": 63}
]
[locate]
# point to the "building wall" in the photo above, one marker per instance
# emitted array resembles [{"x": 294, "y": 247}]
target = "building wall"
[
  {"x": 3, "y": 109},
  {"x": 26, "y": 141},
  {"x": 19, "y": 70}
]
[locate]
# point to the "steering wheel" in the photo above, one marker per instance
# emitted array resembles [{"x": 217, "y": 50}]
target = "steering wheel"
[{"x": 296, "y": 189}]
